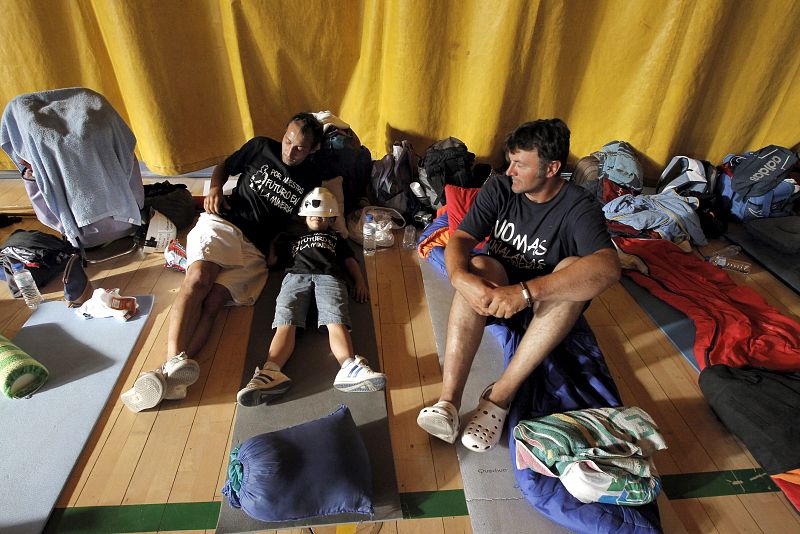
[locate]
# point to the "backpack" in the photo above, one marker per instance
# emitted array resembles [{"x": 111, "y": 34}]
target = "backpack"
[
  {"x": 685, "y": 175},
  {"x": 44, "y": 255},
  {"x": 390, "y": 182},
  {"x": 345, "y": 156},
  {"x": 777, "y": 202},
  {"x": 446, "y": 162},
  {"x": 611, "y": 172},
  {"x": 758, "y": 173}
]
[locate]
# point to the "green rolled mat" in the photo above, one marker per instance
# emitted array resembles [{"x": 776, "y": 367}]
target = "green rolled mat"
[{"x": 20, "y": 374}]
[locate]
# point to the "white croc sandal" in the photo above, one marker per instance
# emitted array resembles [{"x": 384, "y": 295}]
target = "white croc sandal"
[
  {"x": 440, "y": 420},
  {"x": 486, "y": 426}
]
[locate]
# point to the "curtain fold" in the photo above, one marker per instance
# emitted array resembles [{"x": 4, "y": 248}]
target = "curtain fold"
[{"x": 196, "y": 78}]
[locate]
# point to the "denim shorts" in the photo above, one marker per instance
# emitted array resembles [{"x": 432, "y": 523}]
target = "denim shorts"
[{"x": 297, "y": 292}]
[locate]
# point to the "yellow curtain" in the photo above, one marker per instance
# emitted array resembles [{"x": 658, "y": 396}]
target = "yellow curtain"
[{"x": 196, "y": 78}]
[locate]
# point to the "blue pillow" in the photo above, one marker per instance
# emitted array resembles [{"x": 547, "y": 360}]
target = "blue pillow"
[{"x": 314, "y": 469}]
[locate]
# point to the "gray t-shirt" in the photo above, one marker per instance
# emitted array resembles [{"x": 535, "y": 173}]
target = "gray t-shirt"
[{"x": 531, "y": 238}]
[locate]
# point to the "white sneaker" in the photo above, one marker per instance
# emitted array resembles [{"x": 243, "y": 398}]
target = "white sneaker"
[
  {"x": 147, "y": 391},
  {"x": 358, "y": 377},
  {"x": 180, "y": 372},
  {"x": 265, "y": 384}
]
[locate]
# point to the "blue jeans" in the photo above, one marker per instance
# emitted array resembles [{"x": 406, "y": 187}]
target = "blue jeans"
[{"x": 294, "y": 300}]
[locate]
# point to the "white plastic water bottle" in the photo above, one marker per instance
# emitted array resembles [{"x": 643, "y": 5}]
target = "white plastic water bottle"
[
  {"x": 369, "y": 235},
  {"x": 26, "y": 285}
]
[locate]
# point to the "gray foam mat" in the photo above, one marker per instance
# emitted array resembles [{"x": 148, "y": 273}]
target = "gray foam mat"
[
  {"x": 490, "y": 488},
  {"x": 783, "y": 266},
  {"x": 675, "y": 324},
  {"x": 312, "y": 369},
  {"x": 42, "y": 436}
]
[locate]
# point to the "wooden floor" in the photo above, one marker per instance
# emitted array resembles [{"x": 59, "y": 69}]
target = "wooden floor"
[{"x": 177, "y": 453}]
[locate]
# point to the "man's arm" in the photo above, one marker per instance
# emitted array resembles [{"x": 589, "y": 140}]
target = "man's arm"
[
  {"x": 215, "y": 199},
  {"x": 360, "y": 287},
  {"x": 582, "y": 280}
]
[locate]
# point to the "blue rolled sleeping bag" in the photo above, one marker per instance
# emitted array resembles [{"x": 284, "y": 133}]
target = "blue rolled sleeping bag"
[{"x": 314, "y": 469}]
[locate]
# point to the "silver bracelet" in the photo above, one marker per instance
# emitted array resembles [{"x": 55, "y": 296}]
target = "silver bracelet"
[{"x": 527, "y": 294}]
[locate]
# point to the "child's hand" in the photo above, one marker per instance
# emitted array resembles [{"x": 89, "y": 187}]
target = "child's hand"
[{"x": 361, "y": 292}]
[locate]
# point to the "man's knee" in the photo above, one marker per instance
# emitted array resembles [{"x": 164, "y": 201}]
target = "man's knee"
[
  {"x": 218, "y": 297},
  {"x": 566, "y": 262},
  {"x": 200, "y": 277},
  {"x": 488, "y": 268}
]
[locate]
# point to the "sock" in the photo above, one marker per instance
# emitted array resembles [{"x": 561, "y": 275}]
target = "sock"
[
  {"x": 272, "y": 366},
  {"x": 348, "y": 362}
]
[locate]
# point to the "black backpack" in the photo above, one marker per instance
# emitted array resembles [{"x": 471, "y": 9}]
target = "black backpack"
[
  {"x": 446, "y": 162},
  {"x": 758, "y": 173},
  {"x": 44, "y": 255},
  {"x": 390, "y": 183}
]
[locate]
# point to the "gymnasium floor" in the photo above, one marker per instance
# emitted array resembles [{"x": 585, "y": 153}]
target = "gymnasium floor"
[{"x": 161, "y": 470}]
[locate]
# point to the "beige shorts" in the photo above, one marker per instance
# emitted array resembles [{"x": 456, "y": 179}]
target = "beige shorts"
[{"x": 244, "y": 268}]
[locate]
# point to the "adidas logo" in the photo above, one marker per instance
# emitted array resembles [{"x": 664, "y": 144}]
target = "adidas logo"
[{"x": 764, "y": 171}]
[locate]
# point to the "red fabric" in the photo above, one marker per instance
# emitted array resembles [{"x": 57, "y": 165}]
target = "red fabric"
[
  {"x": 733, "y": 322},
  {"x": 792, "y": 491},
  {"x": 617, "y": 228},
  {"x": 459, "y": 199}
]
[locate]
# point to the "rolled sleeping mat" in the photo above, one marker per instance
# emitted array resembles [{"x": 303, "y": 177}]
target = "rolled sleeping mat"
[{"x": 20, "y": 375}]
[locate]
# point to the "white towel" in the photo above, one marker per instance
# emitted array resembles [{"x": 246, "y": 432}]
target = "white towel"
[{"x": 81, "y": 152}]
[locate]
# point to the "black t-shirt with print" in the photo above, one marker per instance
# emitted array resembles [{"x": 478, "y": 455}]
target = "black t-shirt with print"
[
  {"x": 268, "y": 192},
  {"x": 320, "y": 253},
  {"x": 530, "y": 238}
]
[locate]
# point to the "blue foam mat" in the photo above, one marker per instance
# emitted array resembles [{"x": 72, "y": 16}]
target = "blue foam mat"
[
  {"x": 43, "y": 436},
  {"x": 675, "y": 324}
]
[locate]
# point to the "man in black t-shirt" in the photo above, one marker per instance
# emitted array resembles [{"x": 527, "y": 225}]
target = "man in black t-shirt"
[
  {"x": 229, "y": 249},
  {"x": 548, "y": 250}
]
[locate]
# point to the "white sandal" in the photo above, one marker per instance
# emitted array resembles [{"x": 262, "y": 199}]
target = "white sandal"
[
  {"x": 486, "y": 426},
  {"x": 440, "y": 420}
]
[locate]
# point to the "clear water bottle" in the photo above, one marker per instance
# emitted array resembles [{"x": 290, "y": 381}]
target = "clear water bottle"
[
  {"x": 369, "y": 231},
  {"x": 26, "y": 285},
  {"x": 410, "y": 237},
  {"x": 732, "y": 265}
]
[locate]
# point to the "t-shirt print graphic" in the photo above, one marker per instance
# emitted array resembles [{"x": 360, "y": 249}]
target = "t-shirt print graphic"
[{"x": 276, "y": 188}]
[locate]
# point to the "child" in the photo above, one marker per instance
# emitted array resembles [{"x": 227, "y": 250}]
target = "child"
[{"x": 316, "y": 272}]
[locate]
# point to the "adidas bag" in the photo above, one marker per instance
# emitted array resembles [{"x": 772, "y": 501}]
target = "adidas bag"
[
  {"x": 758, "y": 173},
  {"x": 777, "y": 202}
]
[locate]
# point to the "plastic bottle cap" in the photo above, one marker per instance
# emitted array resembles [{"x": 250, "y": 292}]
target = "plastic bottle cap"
[{"x": 368, "y": 217}]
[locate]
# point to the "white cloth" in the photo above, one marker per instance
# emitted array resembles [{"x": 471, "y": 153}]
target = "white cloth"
[
  {"x": 328, "y": 119},
  {"x": 108, "y": 303},
  {"x": 244, "y": 268}
]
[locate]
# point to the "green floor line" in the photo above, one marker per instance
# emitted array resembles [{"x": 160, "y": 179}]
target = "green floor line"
[
  {"x": 134, "y": 518},
  {"x": 426, "y": 504},
  {"x": 415, "y": 505},
  {"x": 717, "y": 483}
]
